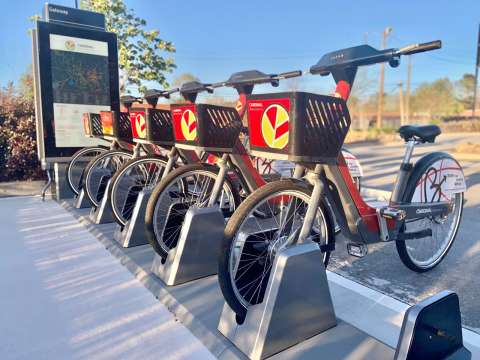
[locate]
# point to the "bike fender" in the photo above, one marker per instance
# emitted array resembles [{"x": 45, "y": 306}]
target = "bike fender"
[{"x": 444, "y": 172}]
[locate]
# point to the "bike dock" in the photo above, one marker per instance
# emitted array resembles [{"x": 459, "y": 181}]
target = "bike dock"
[{"x": 368, "y": 322}]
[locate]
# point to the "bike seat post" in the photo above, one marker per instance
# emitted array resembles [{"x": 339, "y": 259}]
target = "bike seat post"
[{"x": 404, "y": 173}]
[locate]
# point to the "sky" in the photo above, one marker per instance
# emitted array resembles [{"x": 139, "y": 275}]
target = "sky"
[{"x": 218, "y": 37}]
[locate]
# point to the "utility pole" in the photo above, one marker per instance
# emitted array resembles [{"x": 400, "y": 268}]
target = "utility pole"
[
  {"x": 409, "y": 81},
  {"x": 76, "y": 4},
  {"x": 475, "y": 85},
  {"x": 387, "y": 31},
  {"x": 400, "y": 99}
]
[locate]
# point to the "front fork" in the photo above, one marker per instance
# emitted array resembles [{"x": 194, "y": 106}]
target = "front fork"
[
  {"x": 137, "y": 149},
  {"x": 219, "y": 181},
  {"x": 172, "y": 160},
  {"x": 315, "y": 178}
]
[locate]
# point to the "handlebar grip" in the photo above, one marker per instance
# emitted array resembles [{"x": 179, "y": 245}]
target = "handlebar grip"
[
  {"x": 418, "y": 48},
  {"x": 217, "y": 85},
  {"x": 290, "y": 74}
]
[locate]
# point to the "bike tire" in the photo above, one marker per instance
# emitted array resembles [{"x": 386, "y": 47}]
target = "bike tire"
[
  {"x": 90, "y": 166},
  {"x": 117, "y": 213},
  {"x": 157, "y": 244},
  {"x": 82, "y": 152},
  {"x": 417, "y": 174},
  {"x": 238, "y": 218}
]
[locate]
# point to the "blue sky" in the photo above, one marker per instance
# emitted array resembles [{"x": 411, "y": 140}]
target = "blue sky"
[{"x": 215, "y": 38}]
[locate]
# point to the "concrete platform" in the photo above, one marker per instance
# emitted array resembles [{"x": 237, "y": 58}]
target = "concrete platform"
[
  {"x": 64, "y": 297},
  {"x": 197, "y": 305}
]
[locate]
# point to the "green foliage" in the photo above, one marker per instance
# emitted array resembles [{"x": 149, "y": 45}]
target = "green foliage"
[
  {"x": 139, "y": 50},
  {"x": 436, "y": 98},
  {"x": 18, "y": 149},
  {"x": 465, "y": 87}
]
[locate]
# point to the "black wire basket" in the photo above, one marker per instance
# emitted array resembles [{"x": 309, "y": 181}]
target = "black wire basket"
[
  {"x": 116, "y": 125},
  {"x": 92, "y": 125},
  {"x": 121, "y": 126},
  {"x": 159, "y": 127},
  {"x": 206, "y": 127},
  {"x": 297, "y": 126}
]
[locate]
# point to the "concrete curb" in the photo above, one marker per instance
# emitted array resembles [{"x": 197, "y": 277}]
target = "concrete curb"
[{"x": 374, "y": 312}]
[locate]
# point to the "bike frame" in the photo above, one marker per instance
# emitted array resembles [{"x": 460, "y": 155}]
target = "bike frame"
[
  {"x": 240, "y": 161},
  {"x": 360, "y": 222}
]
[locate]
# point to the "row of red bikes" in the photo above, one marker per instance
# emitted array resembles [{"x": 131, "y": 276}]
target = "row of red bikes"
[{"x": 276, "y": 168}]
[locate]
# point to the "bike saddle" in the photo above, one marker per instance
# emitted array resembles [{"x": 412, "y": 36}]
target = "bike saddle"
[
  {"x": 424, "y": 133},
  {"x": 128, "y": 100}
]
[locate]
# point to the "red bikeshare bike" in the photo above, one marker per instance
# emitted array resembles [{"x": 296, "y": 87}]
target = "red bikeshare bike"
[{"x": 422, "y": 216}]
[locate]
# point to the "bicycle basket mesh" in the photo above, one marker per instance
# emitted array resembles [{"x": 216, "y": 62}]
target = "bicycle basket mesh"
[
  {"x": 219, "y": 127},
  {"x": 207, "y": 127},
  {"x": 159, "y": 127},
  {"x": 122, "y": 128},
  {"x": 92, "y": 124},
  {"x": 297, "y": 126}
]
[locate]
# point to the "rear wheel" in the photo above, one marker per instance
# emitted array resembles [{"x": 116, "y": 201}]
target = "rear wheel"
[
  {"x": 189, "y": 185},
  {"x": 76, "y": 166},
  {"x": 100, "y": 170},
  {"x": 251, "y": 242},
  {"x": 137, "y": 174},
  {"x": 428, "y": 184}
]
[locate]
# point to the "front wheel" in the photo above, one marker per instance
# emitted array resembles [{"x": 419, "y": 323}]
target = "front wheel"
[
  {"x": 431, "y": 181},
  {"x": 99, "y": 171},
  {"x": 251, "y": 240},
  {"x": 137, "y": 174},
  {"x": 189, "y": 185},
  {"x": 76, "y": 166}
]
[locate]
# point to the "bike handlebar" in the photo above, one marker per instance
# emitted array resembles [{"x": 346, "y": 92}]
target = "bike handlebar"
[
  {"x": 289, "y": 74},
  {"x": 418, "y": 48},
  {"x": 366, "y": 55}
]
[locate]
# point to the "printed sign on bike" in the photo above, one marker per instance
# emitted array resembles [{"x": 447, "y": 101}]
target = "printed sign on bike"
[
  {"x": 107, "y": 122},
  {"x": 352, "y": 163},
  {"x": 269, "y": 123},
  {"x": 184, "y": 122},
  {"x": 440, "y": 182},
  {"x": 139, "y": 125}
]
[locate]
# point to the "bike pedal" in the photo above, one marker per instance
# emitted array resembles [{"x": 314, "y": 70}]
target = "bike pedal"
[
  {"x": 392, "y": 213},
  {"x": 357, "y": 249}
]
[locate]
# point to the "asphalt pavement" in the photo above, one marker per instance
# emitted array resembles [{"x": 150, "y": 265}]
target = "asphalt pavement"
[{"x": 382, "y": 269}]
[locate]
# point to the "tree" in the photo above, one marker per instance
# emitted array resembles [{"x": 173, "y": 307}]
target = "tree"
[
  {"x": 18, "y": 150},
  {"x": 139, "y": 50},
  {"x": 436, "y": 98},
  {"x": 182, "y": 78},
  {"x": 465, "y": 87}
]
